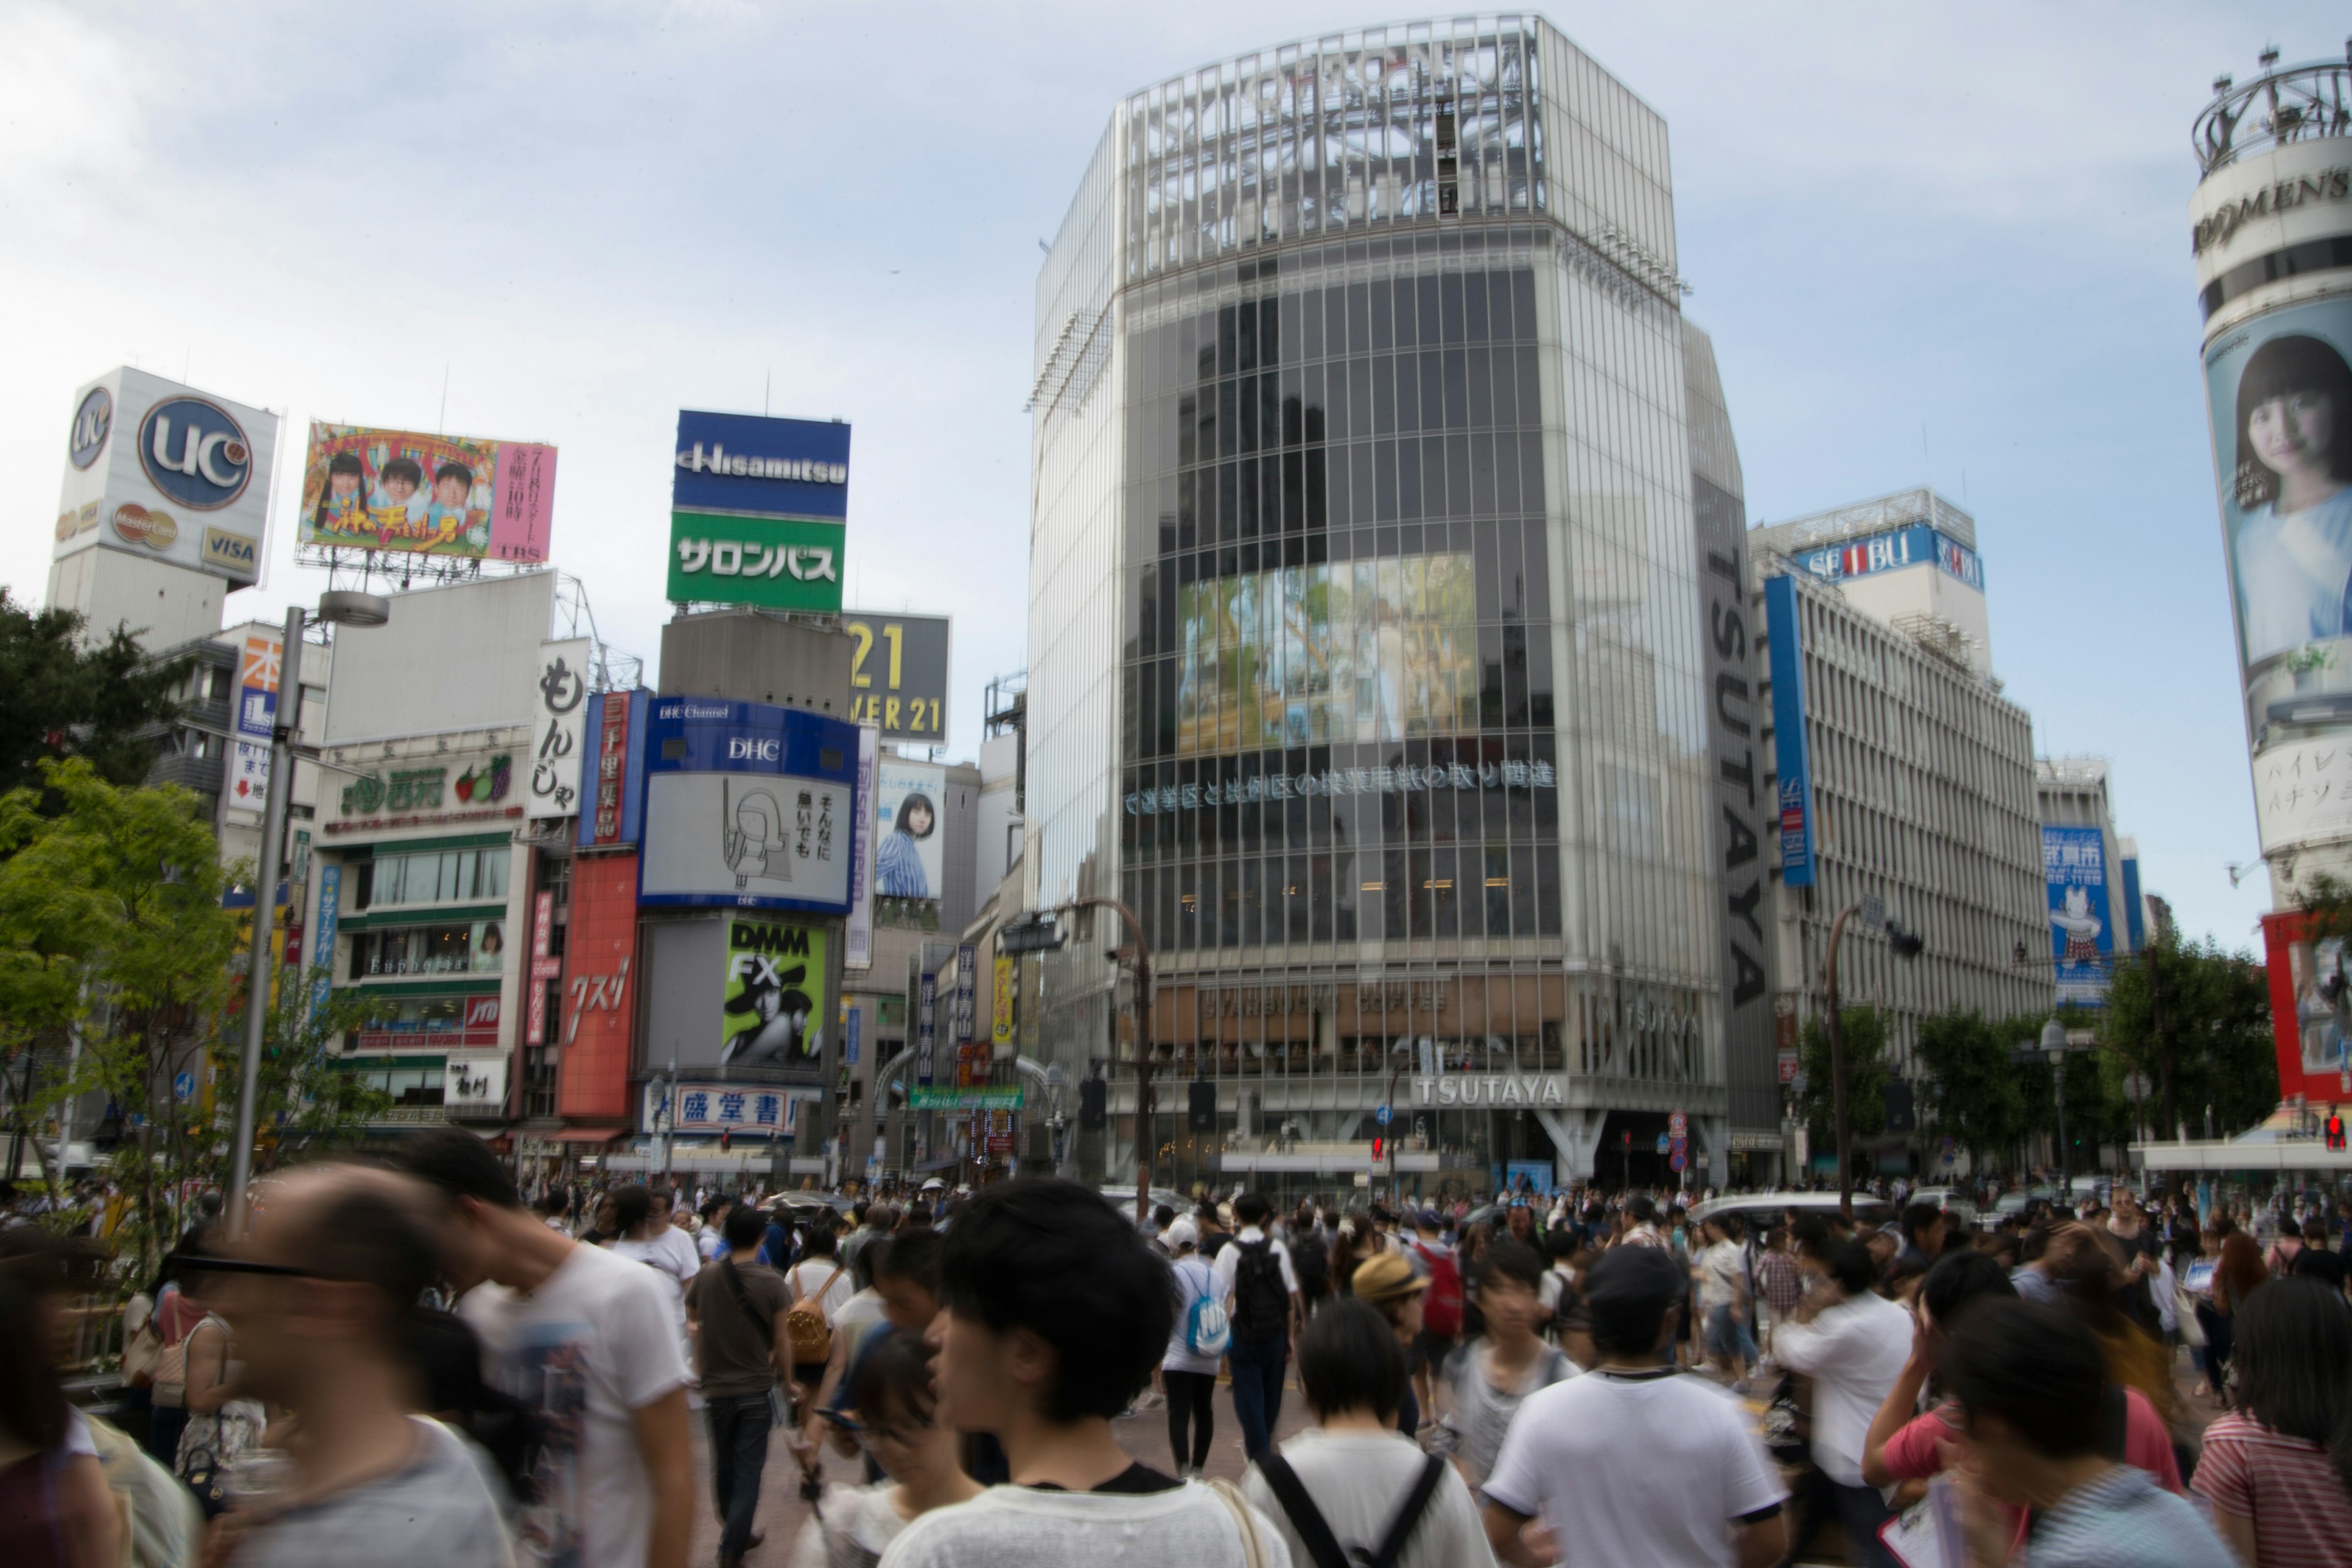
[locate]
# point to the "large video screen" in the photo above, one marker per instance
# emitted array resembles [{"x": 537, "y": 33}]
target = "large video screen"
[{"x": 1344, "y": 651}]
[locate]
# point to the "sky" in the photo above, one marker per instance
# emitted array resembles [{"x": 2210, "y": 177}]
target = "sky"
[{"x": 1934, "y": 243}]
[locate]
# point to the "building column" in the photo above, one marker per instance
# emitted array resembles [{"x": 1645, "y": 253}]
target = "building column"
[
  {"x": 1572, "y": 1141},
  {"x": 1715, "y": 1132}
]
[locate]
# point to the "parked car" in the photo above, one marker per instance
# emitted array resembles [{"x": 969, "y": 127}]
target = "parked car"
[
  {"x": 1961, "y": 1208},
  {"x": 2014, "y": 1202},
  {"x": 1759, "y": 1211}
]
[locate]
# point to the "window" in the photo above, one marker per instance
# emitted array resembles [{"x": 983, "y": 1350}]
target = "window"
[
  {"x": 454, "y": 947},
  {"x": 407, "y": 1086},
  {"x": 442, "y": 876}
]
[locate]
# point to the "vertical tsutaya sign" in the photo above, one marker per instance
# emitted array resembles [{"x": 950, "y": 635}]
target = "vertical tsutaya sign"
[
  {"x": 256, "y": 712},
  {"x": 758, "y": 508},
  {"x": 1795, "y": 805},
  {"x": 858, "y": 949},
  {"x": 2074, "y": 866},
  {"x": 558, "y": 729}
]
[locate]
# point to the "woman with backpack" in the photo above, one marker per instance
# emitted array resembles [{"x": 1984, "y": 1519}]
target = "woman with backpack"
[
  {"x": 1351, "y": 1489},
  {"x": 1188, "y": 1371},
  {"x": 821, "y": 1287}
]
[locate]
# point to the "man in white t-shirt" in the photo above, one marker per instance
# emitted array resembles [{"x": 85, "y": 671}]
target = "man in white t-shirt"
[
  {"x": 588, "y": 1339},
  {"x": 1634, "y": 1462},
  {"x": 1723, "y": 1300},
  {"x": 1260, "y": 1290},
  {"x": 1852, "y": 1342}
]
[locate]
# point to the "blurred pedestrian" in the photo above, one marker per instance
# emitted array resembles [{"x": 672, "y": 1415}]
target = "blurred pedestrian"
[
  {"x": 2278, "y": 1469},
  {"x": 1484, "y": 1384},
  {"x": 1388, "y": 1285},
  {"x": 55, "y": 1508},
  {"x": 892, "y": 1415},
  {"x": 1852, "y": 1342}
]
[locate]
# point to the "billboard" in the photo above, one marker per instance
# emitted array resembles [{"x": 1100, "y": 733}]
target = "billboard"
[
  {"x": 748, "y": 807},
  {"x": 156, "y": 469},
  {"x": 858, "y": 947},
  {"x": 741, "y": 1110},
  {"x": 370, "y": 488},
  {"x": 898, "y": 675},
  {"x": 558, "y": 728},
  {"x": 611, "y": 774},
  {"x": 773, "y": 1010},
  {"x": 1916, "y": 545},
  {"x": 775, "y": 562},
  {"x": 1344, "y": 651},
  {"x": 2279, "y": 392},
  {"x": 909, "y": 828},
  {"x": 751, "y": 464},
  {"x": 257, "y": 713},
  {"x": 2074, "y": 867},
  {"x": 1795, "y": 805},
  {"x": 600, "y": 1002},
  {"x": 2311, "y": 1001}
]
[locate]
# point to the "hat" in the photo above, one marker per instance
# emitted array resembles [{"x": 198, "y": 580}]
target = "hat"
[
  {"x": 1429, "y": 1219},
  {"x": 935, "y": 1185},
  {"x": 1181, "y": 1233},
  {"x": 1385, "y": 1278}
]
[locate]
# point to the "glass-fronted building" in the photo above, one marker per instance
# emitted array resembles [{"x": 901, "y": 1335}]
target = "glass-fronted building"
[{"x": 1365, "y": 623}]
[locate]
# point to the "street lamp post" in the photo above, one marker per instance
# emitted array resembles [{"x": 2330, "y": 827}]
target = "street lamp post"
[
  {"x": 2053, "y": 1046},
  {"x": 1905, "y": 945},
  {"x": 350, "y": 609},
  {"x": 1401, "y": 1048},
  {"x": 1144, "y": 1133}
]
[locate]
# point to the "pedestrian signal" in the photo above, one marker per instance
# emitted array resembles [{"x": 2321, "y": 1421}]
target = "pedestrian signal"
[
  {"x": 1093, "y": 1104},
  {"x": 1379, "y": 1144},
  {"x": 2335, "y": 1130}
]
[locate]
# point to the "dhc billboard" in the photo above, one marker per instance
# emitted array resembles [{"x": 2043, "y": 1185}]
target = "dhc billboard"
[{"x": 748, "y": 807}]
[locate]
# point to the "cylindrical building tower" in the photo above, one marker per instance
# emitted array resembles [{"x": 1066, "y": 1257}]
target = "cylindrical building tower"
[
  {"x": 1367, "y": 661},
  {"x": 2271, "y": 229}
]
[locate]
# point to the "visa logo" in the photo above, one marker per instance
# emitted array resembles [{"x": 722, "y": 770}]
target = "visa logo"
[{"x": 233, "y": 551}]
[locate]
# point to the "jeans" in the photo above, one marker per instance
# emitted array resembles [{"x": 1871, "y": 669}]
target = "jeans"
[
  {"x": 1191, "y": 1395},
  {"x": 1257, "y": 1367},
  {"x": 164, "y": 1425},
  {"x": 1859, "y": 1511},
  {"x": 738, "y": 1453}
]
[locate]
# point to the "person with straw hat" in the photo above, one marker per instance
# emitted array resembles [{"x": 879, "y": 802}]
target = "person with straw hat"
[{"x": 1387, "y": 1284}]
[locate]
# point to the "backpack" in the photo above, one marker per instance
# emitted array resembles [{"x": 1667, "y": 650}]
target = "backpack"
[
  {"x": 1260, "y": 1306},
  {"x": 807, "y": 1330},
  {"x": 1440, "y": 1309},
  {"x": 1310, "y": 1259},
  {"x": 1206, "y": 1329},
  {"x": 1323, "y": 1549}
]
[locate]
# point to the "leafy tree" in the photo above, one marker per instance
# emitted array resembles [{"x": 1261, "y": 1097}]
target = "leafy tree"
[
  {"x": 1865, "y": 1077},
  {"x": 1974, "y": 1097},
  {"x": 2197, "y": 1021},
  {"x": 68, "y": 696}
]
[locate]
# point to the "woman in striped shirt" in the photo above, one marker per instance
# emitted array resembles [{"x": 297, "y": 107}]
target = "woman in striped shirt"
[{"x": 2278, "y": 1469}]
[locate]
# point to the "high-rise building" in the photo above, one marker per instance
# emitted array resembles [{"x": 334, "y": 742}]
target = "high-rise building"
[{"x": 1365, "y": 628}]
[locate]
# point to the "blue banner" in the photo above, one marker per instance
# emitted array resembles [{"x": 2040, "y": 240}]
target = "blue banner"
[
  {"x": 764, "y": 467},
  {"x": 331, "y": 893},
  {"x": 2074, "y": 866},
  {"x": 1789, "y": 756},
  {"x": 747, "y": 806},
  {"x": 1918, "y": 546}
]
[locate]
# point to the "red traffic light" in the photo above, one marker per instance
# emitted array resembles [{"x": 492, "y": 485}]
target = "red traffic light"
[
  {"x": 1378, "y": 1145},
  {"x": 2334, "y": 1131},
  {"x": 726, "y": 1138}
]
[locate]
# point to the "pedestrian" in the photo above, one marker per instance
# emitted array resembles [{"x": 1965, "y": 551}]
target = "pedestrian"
[
  {"x": 647, "y": 1237},
  {"x": 1633, "y": 1462},
  {"x": 2027, "y": 1381},
  {"x": 1352, "y": 1488},
  {"x": 2278, "y": 1469},
  {"x": 320, "y": 1293},
  {"x": 737, "y": 1311},
  {"x": 225, "y": 1422},
  {"x": 711, "y": 1241},
  {"x": 586, "y": 1338},
  {"x": 1724, "y": 1300},
  {"x": 175, "y": 1318},
  {"x": 820, "y": 1285},
  {"x": 1188, "y": 1371},
  {"x": 603, "y": 1223},
  {"x": 1852, "y": 1342},
  {"x": 1260, "y": 1291},
  {"x": 1923, "y": 1234},
  {"x": 1310, "y": 1258},
  {"x": 1388, "y": 1285},
  {"x": 55, "y": 1508},
  {"x": 1057, "y": 1311},
  {"x": 1440, "y": 1306},
  {"x": 1482, "y": 1386},
  {"x": 1780, "y": 1281},
  {"x": 2238, "y": 1273},
  {"x": 892, "y": 1415}
]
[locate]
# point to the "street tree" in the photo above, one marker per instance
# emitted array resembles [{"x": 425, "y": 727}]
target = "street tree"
[
  {"x": 1973, "y": 1097},
  {"x": 1865, "y": 1038},
  {"x": 68, "y": 695}
]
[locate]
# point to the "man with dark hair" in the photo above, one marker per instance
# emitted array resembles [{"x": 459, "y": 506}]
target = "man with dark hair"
[
  {"x": 319, "y": 1295},
  {"x": 1259, "y": 1288},
  {"x": 1923, "y": 1236},
  {"x": 737, "y": 1308},
  {"x": 1852, "y": 1342},
  {"x": 587, "y": 1338},
  {"x": 1634, "y": 1461},
  {"x": 2030, "y": 1384},
  {"x": 1057, "y": 1311}
]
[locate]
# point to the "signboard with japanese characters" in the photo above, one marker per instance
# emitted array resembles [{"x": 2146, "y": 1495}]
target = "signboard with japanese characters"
[
  {"x": 748, "y": 807},
  {"x": 745, "y": 1110},
  {"x": 758, "y": 511},
  {"x": 557, "y": 729},
  {"x": 256, "y": 712}
]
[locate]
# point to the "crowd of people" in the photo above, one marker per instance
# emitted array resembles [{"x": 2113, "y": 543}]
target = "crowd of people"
[{"x": 407, "y": 1360}]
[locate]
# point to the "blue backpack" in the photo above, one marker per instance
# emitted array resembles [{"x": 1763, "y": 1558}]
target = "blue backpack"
[{"x": 1206, "y": 1329}]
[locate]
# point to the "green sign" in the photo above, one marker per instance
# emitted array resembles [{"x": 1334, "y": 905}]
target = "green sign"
[
  {"x": 946, "y": 1097},
  {"x": 777, "y": 562}
]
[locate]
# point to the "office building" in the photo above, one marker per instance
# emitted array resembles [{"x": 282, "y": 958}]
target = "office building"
[{"x": 1365, "y": 628}]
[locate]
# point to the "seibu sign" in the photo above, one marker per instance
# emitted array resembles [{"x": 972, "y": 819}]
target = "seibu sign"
[{"x": 1489, "y": 1089}]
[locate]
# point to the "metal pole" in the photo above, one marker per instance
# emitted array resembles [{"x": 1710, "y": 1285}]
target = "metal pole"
[
  {"x": 265, "y": 893},
  {"x": 1837, "y": 1073},
  {"x": 1144, "y": 1103},
  {"x": 1388, "y": 1097},
  {"x": 2065, "y": 1170}
]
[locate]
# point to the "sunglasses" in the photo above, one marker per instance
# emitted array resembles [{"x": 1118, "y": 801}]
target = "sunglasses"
[
  {"x": 204, "y": 1263},
  {"x": 867, "y": 1436}
]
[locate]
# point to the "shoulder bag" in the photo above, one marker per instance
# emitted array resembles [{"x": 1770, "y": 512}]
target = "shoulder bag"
[{"x": 1315, "y": 1531}]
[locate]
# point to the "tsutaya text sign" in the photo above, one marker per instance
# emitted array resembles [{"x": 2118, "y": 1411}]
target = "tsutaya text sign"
[{"x": 1489, "y": 1089}]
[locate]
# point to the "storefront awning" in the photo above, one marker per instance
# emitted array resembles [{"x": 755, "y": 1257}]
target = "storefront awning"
[{"x": 587, "y": 1134}]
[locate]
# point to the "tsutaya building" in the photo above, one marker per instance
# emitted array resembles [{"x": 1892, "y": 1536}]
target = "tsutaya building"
[{"x": 1368, "y": 650}]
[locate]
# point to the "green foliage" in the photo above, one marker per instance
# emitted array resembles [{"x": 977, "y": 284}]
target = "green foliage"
[
  {"x": 1974, "y": 1096},
  {"x": 1865, "y": 1077},
  {"x": 65, "y": 697},
  {"x": 2201, "y": 1030}
]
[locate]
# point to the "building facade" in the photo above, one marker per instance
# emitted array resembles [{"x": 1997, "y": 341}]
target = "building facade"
[{"x": 1365, "y": 615}]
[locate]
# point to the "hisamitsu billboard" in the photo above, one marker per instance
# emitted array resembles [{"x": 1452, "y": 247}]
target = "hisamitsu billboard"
[{"x": 748, "y": 463}]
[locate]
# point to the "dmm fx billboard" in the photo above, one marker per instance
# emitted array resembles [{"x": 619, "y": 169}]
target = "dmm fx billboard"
[
  {"x": 1795, "y": 805},
  {"x": 758, "y": 511},
  {"x": 2075, "y": 865},
  {"x": 370, "y": 488},
  {"x": 772, "y": 1011},
  {"x": 748, "y": 807},
  {"x": 159, "y": 470},
  {"x": 898, "y": 675}
]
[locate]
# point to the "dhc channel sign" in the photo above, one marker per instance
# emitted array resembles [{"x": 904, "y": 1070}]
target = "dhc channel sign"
[{"x": 196, "y": 453}]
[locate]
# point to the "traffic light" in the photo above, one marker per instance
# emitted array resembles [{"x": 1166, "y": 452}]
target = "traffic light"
[
  {"x": 726, "y": 1139},
  {"x": 2335, "y": 1130},
  {"x": 1902, "y": 1116},
  {"x": 1380, "y": 1145},
  {"x": 1093, "y": 1104},
  {"x": 1201, "y": 1106}
]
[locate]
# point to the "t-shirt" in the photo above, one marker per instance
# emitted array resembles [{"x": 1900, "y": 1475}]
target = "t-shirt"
[
  {"x": 1477, "y": 1413},
  {"x": 1229, "y": 1262},
  {"x": 852, "y": 1525},
  {"x": 808, "y": 1277},
  {"x": 2301, "y": 1514},
  {"x": 1855, "y": 1351},
  {"x": 1723, "y": 1275},
  {"x": 594, "y": 1344},
  {"x": 1195, "y": 1277},
  {"x": 1911, "y": 1454},
  {"x": 2123, "y": 1516},
  {"x": 670, "y": 1254},
  {"x": 1359, "y": 1480},
  {"x": 737, "y": 1355},
  {"x": 439, "y": 1508},
  {"x": 1628, "y": 1468},
  {"x": 1188, "y": 1526}
]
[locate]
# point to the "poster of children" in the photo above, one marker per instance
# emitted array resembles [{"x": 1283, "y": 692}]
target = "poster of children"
[{"x": 370, "y": 488}]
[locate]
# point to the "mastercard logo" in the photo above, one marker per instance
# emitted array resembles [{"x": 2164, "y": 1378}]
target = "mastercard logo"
[{"x": 138, "y": 525}]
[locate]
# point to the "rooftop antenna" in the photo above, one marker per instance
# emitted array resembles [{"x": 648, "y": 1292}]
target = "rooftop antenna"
[
  {"x": 441, "y": 423},
  {"x": 767, "y": 385}
]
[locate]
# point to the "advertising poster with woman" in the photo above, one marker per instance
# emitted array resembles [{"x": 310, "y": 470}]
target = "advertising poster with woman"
[
  {"x": 2280, "y": 393},
  {"x": 908, "y": 857}
]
